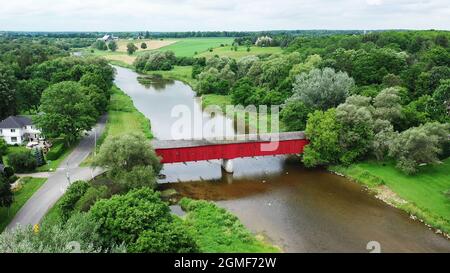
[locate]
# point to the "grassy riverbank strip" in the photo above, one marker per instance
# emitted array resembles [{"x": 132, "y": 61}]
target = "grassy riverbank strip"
[
  {"x": 424, "y": 195},
  {"x": 123, "y": 118},
  {"x": 218, "y": 231},
  {"x": 28, "y": 186}
]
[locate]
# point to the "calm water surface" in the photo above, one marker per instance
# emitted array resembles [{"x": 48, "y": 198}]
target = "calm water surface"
[{"x": 298, "y": 209}]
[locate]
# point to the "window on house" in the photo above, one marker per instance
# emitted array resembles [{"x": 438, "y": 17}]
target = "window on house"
[
  {"x": 13, "y": 130},
  {"x": 13, "y": 139}
]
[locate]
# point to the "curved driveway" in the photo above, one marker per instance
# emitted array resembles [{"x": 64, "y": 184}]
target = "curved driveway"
[{"x": 43, "y": 199}]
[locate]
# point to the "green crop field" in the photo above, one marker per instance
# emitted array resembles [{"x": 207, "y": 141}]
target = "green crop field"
[
  {"x": 241, "y": 51},
  {"x": 188, "y": 46}
]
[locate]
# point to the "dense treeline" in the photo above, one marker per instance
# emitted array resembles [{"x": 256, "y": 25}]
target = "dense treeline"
[
  {"x": 181, "y": 34},
  {"x": 343, "y": 78},
  {"x": 164, "y": 60},
  {"x": 69, "y": 92}
]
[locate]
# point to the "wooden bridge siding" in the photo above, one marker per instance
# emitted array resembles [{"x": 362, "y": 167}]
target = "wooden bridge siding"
[{"x": 228, "y": 151}]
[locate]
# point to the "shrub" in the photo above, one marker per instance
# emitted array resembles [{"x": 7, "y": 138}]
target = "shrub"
[
  {"x": 167, "y": 237},
  {"x": 56, "y": 151},
  {"x": 92, "y": 195},
  {"x": 71, "y": 197},
  {"x": 122, "y": 218},
  {"x": 23, "y": 161}
]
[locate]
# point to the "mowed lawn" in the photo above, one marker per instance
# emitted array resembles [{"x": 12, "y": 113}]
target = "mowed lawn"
[
  {"x": 426, "y": 190},
  {"x": 124, "y": 118},
  {"x": 181, "y": 73},
  {"x": 187, "y": 47},
  {"x": 29, "y": 187},
  {"x": 241, "y": 51}
]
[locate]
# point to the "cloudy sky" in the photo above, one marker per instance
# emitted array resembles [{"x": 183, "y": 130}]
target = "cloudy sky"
[{"x": 185, "y": 15}]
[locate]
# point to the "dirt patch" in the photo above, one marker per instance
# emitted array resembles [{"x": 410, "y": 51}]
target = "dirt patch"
[
  {"x": 128, "y": 59},
  {"x": 388, "y": 196}
]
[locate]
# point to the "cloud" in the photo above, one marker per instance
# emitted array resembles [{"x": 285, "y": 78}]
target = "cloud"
[
  {"x": 374, "y": 2},
  {"x": 184, "y": 15}
]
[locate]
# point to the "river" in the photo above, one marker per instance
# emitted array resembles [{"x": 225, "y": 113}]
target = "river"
[{"x": 298, "y": 209}]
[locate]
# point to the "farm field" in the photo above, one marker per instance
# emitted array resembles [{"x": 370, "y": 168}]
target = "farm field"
[
  {"x": 241, "y": 51},
  {"x": 151, "y": 44},
  {"x": 188, "y": 46}
]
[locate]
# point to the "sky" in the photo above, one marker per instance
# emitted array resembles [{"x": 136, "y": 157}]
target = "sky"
[{"x": 210, "y": 15}]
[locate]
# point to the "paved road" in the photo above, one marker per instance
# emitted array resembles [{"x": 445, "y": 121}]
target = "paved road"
[{"x": 43, "y": 199}]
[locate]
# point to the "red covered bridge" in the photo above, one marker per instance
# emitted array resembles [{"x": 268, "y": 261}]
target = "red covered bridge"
[{"x": 173, "y": 151}]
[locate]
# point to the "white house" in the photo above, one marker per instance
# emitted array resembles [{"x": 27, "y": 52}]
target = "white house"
[
  {"x": 18, "y": 130},
  {"x": 108, "y": 38}
]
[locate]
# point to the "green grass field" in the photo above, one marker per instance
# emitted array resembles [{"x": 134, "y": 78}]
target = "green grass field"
[
  {"x": 29, "y": 187},
  {"x": 425, "y": 191},
  {"x": 180, "y": 73},
  {"x": 241, "y": 51},
  {"x": 187, "y": 47}
]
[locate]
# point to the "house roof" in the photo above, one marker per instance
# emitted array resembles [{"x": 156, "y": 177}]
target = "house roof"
[{"x": 15, "y": 122}]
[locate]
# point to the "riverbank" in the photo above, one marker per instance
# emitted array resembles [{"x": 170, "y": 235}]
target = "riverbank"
[
  {"x": 123, "y": 118},
  {"x": 423, "y": 195}
]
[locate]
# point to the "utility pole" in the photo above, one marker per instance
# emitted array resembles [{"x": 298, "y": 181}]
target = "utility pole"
[
  {"x": 67, "y": 172},
  {"x": 95, "y": 141}
]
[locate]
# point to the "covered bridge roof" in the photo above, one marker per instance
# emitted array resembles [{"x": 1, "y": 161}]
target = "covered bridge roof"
[{"x": 182, "y": 143}]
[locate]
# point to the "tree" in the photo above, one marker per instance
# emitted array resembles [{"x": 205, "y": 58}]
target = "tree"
[
  {"x": 100, "y": 45},
  {"x": 67, "y": 203},
  {"x": 313, "y": 61},
  {"x": 391, "y": 80},
  {"x": 130, "y": 160},
  {"x": 356, "y": 131},
  {"x": 39, "y": 155},
  {"x": 57, "y": 238},
  {"x": 441, "y": 99},
  {"x": 23, "y": 161},
  {"x": 419, "y": 145},
  {"x": 143, "y": 45},
  {"x": 29, "y": 93},
  {"x": 131, "y": 48},
  {"x": 66, "y": 111},
  {"x": 166, "y": 238},
  {"x": 140, "y": 214},
  {"x": 417, "y": 112},
  {"x": 244, "y": 64},
  {"x": 387, "y": 105},
  {"x": 209, "y": 81},
  {"x": 112, "y": 46},
  {"x": 139, "y": 176},
  {"x": 96, "y": 79},
  {"x": 322, "y": 130},
  {"x": 3, "y": 148},
  {"x": 155, "y": 60},
  {"x": 384, "y": 135},
  {"x": 294, "y": 115},
  {"x": 7, "y": 92},
  {"x": 322, "y": 89},
  {"x": 6, "y": 195}
]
